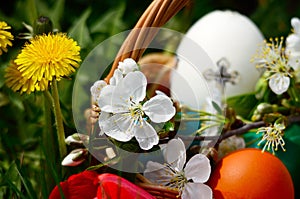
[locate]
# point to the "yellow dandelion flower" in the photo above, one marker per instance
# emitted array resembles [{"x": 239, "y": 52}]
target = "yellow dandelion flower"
[
  {"x": 5, "y": 37},
  {"x": 18, "y": 83},
  {"x": 48, "y": 56}
]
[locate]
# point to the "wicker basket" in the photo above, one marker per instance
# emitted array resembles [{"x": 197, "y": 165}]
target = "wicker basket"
[
  {"x": 160, "y": 192},
  {"x": 156, "y": 15}
]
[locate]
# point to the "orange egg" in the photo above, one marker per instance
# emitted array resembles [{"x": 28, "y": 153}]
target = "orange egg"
[{"x": 249, "y": 173}]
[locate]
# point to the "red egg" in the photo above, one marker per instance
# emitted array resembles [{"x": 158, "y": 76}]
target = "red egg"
[{"x": 249, "y": 173}]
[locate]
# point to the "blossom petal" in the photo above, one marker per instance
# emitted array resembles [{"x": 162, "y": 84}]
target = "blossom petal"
[
  {"x": 104, "y": 101},
  {"x": 134, "y": 86},
  {"x": 163, "y": 148},
  {"x": 117, "y": 99},
  {"x": 176, "y": 154},
  {"x": 159, "y": 108},
  {"x": 198, "y": 168},
  {"x": 196, "y": 190},
  {"x": 128, "y": 65},
  {"x": 96, "y": 89},
  {"x": 296, "y": 25},
  {"x": 116, "y": 126},
  {"x": 145, "y": 135},
  {"x": 115, "y": 79},
  {"x": 292, "y": 43},
  {"x": 158, "y": 173},
  {"x": 279, "y": 83}
]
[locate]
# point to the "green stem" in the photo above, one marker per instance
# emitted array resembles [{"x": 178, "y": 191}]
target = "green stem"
[
  {"x": 48, "y": 143},
  {"x": 294, "y": 93},
  {"x": 202, "y": 113},
  {"x": 58, "y": 120},
  {"x": 199, "y": 131},
  {"x": 201, "y": 119}
]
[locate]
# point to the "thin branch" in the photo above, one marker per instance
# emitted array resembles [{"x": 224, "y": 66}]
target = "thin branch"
[{"x": 227, "y": 134}]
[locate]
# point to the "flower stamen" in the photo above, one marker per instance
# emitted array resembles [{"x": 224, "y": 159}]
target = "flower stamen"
[{"x": 273, "y": 137}]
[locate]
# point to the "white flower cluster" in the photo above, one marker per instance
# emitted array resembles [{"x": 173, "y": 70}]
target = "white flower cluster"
[
  {"x": 279, "y": 60},
  {"x": 125, "y": 113},
  {"x": 293, "y": 44}
]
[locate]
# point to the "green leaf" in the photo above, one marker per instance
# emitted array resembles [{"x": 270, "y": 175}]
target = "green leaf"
[
  {"x": 111, "y": 22},
  {"x": 31, "y": 10},
  {"x": 16, "y": 100},
  {"x": 57, "y": 13},
  {"x": 12, "y": 181},
  {"x": 243, "y": 104},
  {"x": 80, "y": 32},
  {"x": 217, "y": 107},
  {"x": 12, "y": 175},
  {"x": 26, "y": 183}
]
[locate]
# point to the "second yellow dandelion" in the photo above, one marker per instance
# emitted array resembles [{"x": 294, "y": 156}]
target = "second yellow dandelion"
[{"x": 5, "y": 37}]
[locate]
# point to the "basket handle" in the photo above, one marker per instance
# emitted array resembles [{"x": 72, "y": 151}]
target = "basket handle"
[{"x": 157, "y": 14}]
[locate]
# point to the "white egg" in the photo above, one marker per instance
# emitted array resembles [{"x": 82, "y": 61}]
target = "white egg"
[{"x": 223, "y": 35}]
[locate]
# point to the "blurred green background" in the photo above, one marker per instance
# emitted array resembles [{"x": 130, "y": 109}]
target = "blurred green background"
[{"x": 28, "y": 164}]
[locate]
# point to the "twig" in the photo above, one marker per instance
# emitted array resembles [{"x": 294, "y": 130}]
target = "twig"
[{"x": 227, "y": 134}]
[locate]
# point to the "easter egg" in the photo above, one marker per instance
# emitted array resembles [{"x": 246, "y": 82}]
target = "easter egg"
[
  {"x": 116, "y": 187},
  {"x": 230, "y": 39},
  {"x": 249, "y": 173}
]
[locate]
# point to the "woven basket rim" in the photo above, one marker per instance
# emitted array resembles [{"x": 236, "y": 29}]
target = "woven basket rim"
[
  {"x": 158, "y": 13},
  {"x": 155, "y": 189}
]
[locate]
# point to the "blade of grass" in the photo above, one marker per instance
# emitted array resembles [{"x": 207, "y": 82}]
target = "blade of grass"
[{"x": 27, "y": 185}]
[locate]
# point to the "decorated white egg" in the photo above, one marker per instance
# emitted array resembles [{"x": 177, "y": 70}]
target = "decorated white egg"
[{"x": 230, "y": 39}]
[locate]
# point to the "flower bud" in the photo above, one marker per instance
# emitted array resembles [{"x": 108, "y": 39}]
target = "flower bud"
[
  {"x": 75, "y": 158},
  {"x": 43, "y": 25},
  {"x": 264, "y": 108},
  {"x": 76, "y": 138}
]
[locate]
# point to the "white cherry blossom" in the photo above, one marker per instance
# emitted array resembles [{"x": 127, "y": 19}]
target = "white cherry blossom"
[
  {"x": 123, "y": 116},
  {"x": 188, "y": 180},
  {"x": 273, "y": 59},
  {"x": 293, "y": 44}
]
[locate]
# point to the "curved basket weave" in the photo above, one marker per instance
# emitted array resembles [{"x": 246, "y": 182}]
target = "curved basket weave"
[
  {"x": 156, "y": 15},
  {"x": 160, "y": 192}
]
